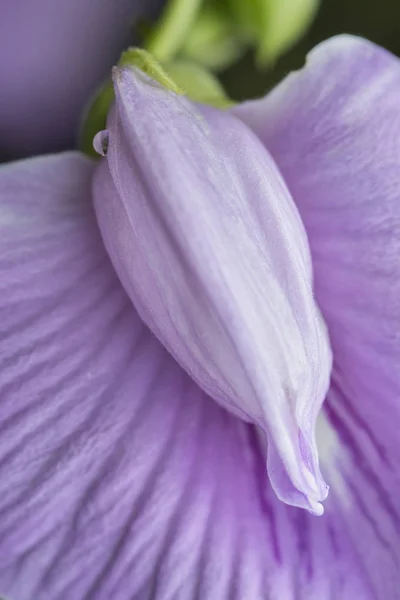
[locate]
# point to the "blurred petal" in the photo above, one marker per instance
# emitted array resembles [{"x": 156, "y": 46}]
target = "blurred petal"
[
  {"x": 209, "y": 246},
  {"x": 53, "y": 55},
  {"x": 334, "y": 130}
]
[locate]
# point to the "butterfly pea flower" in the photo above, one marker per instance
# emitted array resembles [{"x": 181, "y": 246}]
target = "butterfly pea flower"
[
  {"x": 121, "y": 476},
  {"x": 53, "y": 56}
]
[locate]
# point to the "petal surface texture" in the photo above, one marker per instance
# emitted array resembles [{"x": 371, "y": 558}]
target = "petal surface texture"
[
  {"x": 119, "y": 478},
  {"x": 209, "y": 246},
  {"x": 334, "y": 131},
  {"x": 53, "y": 55}
]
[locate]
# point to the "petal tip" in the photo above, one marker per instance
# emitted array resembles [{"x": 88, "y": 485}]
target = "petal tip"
[{"x": 317, "y": 509}]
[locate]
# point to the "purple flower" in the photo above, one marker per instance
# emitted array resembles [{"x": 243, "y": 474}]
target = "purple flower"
[
  {"x": 53, "y": 55},
  {"x": 218, "y": 267},
  {"x": 120, "y": 477}
]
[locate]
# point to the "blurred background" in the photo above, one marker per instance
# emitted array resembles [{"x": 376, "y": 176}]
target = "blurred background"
[
  {"x": 377, "y": 20},
  {"x": 55, "y": 57}
]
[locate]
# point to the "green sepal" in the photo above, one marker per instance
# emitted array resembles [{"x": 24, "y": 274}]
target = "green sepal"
[
  {"x": 286, "y": 23},
  {"x": 181, "y": 77},
  {"x": 214, "y": 40},
  {"x": 168, "y": 35},
  {"x": 272, "y": 26},
  {"x": 143, "y": 60},
  {"x": 249, "y": 16},
  {"x": 199, "y": 84}
]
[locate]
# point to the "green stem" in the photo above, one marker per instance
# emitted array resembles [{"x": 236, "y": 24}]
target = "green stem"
[{"x": 170, "y": 32}]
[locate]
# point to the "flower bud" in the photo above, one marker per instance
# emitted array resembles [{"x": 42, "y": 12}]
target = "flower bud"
[{"x": 209, "y": 246}]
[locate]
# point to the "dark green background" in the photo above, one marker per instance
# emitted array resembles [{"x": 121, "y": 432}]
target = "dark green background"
[{"x": 377, "y": 20}]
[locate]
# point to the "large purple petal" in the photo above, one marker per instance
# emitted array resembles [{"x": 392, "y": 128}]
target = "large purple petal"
[
  {"x": 334, "y": 130},
  {"x": 118, "y": 477},
  {"x": 53, "y": 55},
  {"x": 210, "y": 248}
]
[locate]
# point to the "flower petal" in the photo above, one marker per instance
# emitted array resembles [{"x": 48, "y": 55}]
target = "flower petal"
[
  {"x": 119, "y": 478},
  {"x": 52, "y": 58},
  {"x": 113, "y": 463},
  {"x": 334, "y": 130},
  {"x": 209, "y": 246}
]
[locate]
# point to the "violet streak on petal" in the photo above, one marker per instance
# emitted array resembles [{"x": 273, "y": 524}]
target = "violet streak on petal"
[{"x": 210, "y": 248}]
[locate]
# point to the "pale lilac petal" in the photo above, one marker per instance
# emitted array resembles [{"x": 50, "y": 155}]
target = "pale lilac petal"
[
  {"x": 210, "y": 248},
  {"x": 334, "y": 130},
  {"x": 53, "y": 55}
]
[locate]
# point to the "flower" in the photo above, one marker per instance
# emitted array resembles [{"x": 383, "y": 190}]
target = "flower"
[
  {"x": 218, "y": 267},
  {"x": 52, "y": 58},
  {"x": 119, "y": 476}
]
